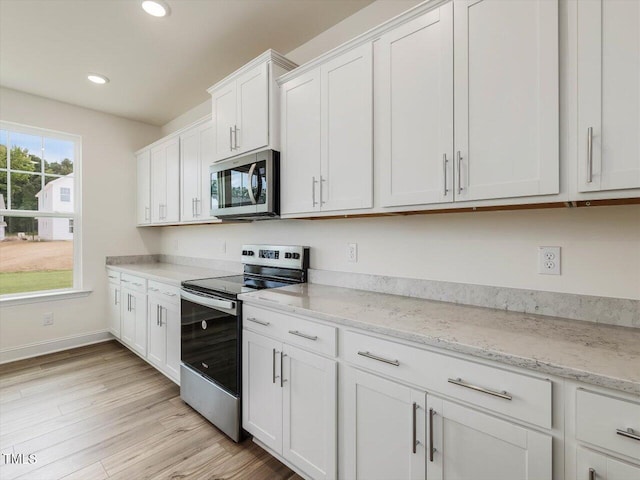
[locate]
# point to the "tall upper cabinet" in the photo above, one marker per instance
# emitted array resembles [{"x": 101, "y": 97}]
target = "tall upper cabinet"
[
  {"x": 608, "y": 79},
  {"x": 245, "y": 107},
  {"x": 143, "y": 163},
  {"x": 327, "y": 135},
  {"x": 196, "y": 156},
  {"x": 165, "y": 189}
]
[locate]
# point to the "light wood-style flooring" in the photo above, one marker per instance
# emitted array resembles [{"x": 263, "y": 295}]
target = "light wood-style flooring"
[{"x": 100, "y": 412}]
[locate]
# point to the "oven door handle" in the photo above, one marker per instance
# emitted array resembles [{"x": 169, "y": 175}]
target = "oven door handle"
[{"x": 208, "y": 301}]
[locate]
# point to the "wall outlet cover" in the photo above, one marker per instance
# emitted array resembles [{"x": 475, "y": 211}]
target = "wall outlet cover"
[
  {"x": 352, "y": 252},
  {"x": 47, "y": 319},
  {"x": 549, "y": 260}
]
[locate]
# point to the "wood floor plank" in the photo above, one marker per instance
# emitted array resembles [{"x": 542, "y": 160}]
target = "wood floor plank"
[{"x": 101, "y": 412}]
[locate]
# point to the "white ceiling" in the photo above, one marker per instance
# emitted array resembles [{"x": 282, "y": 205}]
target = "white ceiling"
[{"x": 158, "y": 67}]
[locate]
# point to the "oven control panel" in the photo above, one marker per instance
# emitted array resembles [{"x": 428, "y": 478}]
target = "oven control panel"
[{"x": 284, "y": 256}]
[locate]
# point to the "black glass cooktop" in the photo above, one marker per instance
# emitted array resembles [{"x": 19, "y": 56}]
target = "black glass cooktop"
[{"x": 233, "y": 285}]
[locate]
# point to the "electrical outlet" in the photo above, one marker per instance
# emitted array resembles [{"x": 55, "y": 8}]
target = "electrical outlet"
[
  {"x": 47, "y": 319},
  {"x": 549, "y": 260},
  {"x": 352, "y": 252}
]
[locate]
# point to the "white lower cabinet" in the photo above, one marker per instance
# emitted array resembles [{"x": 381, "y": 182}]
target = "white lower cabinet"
[
  {"x": 134, "y": 320},
  {"x": 384, "y": 439},
  {"x": 289, "y": 403},
  {"x": 466, "y": 444},
  {"x": 164, "y": 332},
  {"x": 115, "y": 294},
  {"x": 596, "y": 466}
]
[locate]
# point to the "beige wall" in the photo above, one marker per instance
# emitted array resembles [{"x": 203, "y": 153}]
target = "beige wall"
[{"x": 109, "y": 216}]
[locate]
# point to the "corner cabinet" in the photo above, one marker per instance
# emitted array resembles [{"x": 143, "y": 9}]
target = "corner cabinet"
[
  {"x": 327, "y": 135},
  {"x": 608, "y": 134},
  {"x": 245, "y": 107}
]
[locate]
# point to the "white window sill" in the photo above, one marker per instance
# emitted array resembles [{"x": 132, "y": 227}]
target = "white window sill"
[{"x": 38, "y": 297}]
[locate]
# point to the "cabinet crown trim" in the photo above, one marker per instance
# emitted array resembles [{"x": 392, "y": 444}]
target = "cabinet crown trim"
[
  {"x": 177, "y": 133},
  {"x": 268, "y": 56},
  {"x": 365, "y": 37}
]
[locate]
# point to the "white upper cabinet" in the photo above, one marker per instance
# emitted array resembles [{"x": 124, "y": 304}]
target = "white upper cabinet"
[
  {"x": 506, "y": 88},
  {"x": 245, "y": 107},
  {"x": 327, "y": 136},
  {"x": 414, "y": 109},
  {"x": 608, "y": 132},
  {"x": 143, "y": 160},
  {"x": 196, "y": 155},
  {"x": 300, "y": 157},
  {"x": 346, "y": 153},
  {"x": 165, "y": 186}
]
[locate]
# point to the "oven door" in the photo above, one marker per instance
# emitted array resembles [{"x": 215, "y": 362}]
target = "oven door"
[
  {"x": 210, "y": 338},
  {"x": 245, "y": 186}
]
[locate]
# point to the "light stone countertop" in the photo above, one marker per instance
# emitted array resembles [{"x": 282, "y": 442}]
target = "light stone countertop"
[
  {"x": 169, "y": 273},
  {"x": 603, "y": 355}
]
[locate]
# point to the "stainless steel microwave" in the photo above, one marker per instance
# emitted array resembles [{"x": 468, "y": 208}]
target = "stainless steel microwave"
[{"x": 246, "y": 187}]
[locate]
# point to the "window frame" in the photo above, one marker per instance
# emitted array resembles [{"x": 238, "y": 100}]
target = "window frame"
[{"x": 76, "y": 215}]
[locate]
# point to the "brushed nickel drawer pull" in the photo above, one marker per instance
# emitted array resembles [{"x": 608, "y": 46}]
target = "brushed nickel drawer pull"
[
  {"x": 259, "y": 322},
  {"x": 458, "y": 381},
  {"x": 629, "y": 433},
  {"x": 395, "y": 363},
  {"x": 589, "y": 154},
  {"x": 303, "y": 335},
  {"x": 274, "y": 366}
]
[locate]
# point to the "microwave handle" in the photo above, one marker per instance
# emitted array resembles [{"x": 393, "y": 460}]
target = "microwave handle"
[{"x": 251, "y": 196}]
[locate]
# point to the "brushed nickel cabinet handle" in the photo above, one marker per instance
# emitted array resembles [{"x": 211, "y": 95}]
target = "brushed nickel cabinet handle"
[
  {"x": 444, "y": 167},
  {"x": 282, "y": 355},
  {"x": 589, "y": 154},
  {"x": 313, "y": 191},
  {"x": 432, "y": 449},
  {"x": 459, "y": 167},
  {"x": 322, "y": 202},
  {"x": 273, "y": 376},
  {"x": 414, "y": 442},
  {"x": 395, "y": 363},
  {"x": 460, "y": 382},
  {"x": 628, "y": 433},
  {"x": 230, "y": 138},
  {"x": 259, "y": 322},
  {"x": 592, "y": 474},
  {"x": 235, "y": 134},
  {"x": 303, "y": 335}
]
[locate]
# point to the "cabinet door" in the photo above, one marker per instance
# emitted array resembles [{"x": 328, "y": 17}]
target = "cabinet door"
[
  {"x": 346, "y": 171},
  {"x": 252, "y": 90},
  {"x": 604, "y": 467},
  {"x": 300, "y": 136},
  {"x": 380, "y": 418},
  {"x": 223, "y": 102},
  {"x": 139, "y": 309},
  {"x": 470, "y": 444},
  {"x": 114, "y": 309},
  {"x": 170, "y": 317},
  {"x": 414, "y": 106},
  {"x": 261, "y": 389},
  {"x": 608, "y": 95},
  {"x": 309, "y": 412},
  {"x": 144, "y": 187},
  {"x": 165, "y": 186},
  {"x": 506, "y": 98},
  {"x": 203, "y": 208},
  {"x": 190, "y": 170},
  {"x": 128, "y": 323},
  {"x": 157, "y": 348}
]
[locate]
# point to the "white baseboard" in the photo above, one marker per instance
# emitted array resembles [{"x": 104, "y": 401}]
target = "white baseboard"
[{"x": 51, "y": 346}]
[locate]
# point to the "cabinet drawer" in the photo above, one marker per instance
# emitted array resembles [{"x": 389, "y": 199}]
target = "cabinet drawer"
[
  {"x": 604, "y": 421},
  {"x": 515, "y": 395},
  {"x": 168, "y": 292},
  {"x": 132, "y": 282},
  {"x": 113, "y": 276},
  {"x": 291, "y": 329}
]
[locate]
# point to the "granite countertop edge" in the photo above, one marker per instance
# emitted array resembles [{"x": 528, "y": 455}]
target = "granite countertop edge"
[
  {"x": 529, "y": 363},
  {"x": 180, "y": 273}
]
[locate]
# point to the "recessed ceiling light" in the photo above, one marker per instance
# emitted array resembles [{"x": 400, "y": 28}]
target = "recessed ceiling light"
[
  {"x": 97, "y": 78},
  {"x": 157, "y": 8}
]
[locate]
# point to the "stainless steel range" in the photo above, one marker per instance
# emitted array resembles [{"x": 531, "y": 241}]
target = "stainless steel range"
[{"x": 210, "y": 374}]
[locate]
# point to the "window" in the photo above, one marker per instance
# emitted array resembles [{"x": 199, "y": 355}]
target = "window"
[
  {"x": 65, "y": 194},
  {"x": 39, "y": 207}
]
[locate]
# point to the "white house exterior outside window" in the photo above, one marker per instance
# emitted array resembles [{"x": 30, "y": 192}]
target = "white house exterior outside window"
[{"x": 40, "y": 212}]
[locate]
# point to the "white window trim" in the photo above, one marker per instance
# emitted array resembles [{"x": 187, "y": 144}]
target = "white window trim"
[{"x": 77, "y": 290}]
